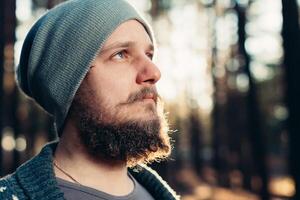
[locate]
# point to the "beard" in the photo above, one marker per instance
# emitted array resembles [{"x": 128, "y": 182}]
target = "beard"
[{"x": 119, "y": 139}]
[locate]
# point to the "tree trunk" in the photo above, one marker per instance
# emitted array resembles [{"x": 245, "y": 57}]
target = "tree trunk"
[
  {"x": 196, "y": 143},
  {"x": 256, "y": 134},
  {"x": 2, "y": 44},
  {"x": 10, "y": 91},
  {"x": 291, "y": 43}
]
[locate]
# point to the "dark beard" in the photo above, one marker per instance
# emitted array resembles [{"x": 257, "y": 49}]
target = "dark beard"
[{"x": 132, "y": 141}]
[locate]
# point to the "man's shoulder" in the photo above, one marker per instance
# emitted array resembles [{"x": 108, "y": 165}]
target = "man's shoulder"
[
  {"x": 153, "y": 183},
  {"x": 8, "y": 187}
]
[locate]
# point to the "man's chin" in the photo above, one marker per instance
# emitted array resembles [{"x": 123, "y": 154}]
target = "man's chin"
[{"x": 146, "y": 108}]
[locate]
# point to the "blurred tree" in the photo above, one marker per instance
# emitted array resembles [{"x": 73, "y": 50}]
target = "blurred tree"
[
  {"x": 236, "y": 121},
  {"x": 196, "y": 143},
  {"x": 158, "y": 6},
  {"x": 256, "y": 135},
  {"x": 291, "y": 43},
  {"x": 52, "y": 3},
  {"x": 2, "y": 43},
  {"x": 9, "y": 90},
  {"x": 219, "y": 126}
]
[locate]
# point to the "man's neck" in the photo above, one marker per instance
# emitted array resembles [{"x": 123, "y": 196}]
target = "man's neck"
[{"x": 74, "y": 164}]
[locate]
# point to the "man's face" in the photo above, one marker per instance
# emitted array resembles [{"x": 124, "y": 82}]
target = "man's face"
[
  {"x": 124, "y": 67},
  {"x": 117, "y": 108}
]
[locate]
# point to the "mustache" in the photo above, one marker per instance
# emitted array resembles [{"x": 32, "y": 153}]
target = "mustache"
[{"x": 140, "y": 95}]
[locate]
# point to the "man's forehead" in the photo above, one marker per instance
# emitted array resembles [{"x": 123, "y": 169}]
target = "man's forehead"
[{"x": 129, "y": 33}]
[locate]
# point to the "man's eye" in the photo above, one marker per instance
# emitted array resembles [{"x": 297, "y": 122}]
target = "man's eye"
[
  {"x": 120, "y": 55},
  {"x": 150, "y": 55}
]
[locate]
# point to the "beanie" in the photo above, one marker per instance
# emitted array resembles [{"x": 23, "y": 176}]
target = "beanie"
[{"x": 60, "y": 47}]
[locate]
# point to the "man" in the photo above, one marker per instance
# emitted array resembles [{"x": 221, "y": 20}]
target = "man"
[{"x": 89, "y": 64}]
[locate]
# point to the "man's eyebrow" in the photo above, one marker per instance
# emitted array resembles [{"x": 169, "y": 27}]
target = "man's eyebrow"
[{"x": 122, "y": 45}]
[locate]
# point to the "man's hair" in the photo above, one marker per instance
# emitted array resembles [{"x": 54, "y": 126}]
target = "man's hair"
[{"x": 60, "y": 47}]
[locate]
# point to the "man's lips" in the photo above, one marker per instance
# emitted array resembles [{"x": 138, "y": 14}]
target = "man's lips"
[
  {"x": 150, "y": 97},
  {"x": 145, "y": 94}
]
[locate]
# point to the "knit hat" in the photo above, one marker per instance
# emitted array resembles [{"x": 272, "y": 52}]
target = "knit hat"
[{"x": 60, "y": 47}]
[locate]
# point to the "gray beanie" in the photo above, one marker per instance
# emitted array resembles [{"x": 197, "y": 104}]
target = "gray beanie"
[{"x": 60, "y": 47}]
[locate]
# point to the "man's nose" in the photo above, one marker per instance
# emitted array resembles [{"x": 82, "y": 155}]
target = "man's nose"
[{"x": 148, "y": 72}]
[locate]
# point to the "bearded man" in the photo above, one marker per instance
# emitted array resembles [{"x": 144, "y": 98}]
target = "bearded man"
[{"x": 89, "y": 64}]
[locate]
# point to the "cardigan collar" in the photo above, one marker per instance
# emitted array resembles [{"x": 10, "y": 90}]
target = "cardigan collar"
[
  {"x": 37, "y": 176},
  {"x": 38, "y": 180}
]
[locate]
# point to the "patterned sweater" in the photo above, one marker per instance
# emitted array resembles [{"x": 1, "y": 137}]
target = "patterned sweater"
[{"x": 35, "y": 180}]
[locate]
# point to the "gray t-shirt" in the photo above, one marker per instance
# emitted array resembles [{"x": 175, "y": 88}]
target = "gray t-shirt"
[{"x": 74, "y": 191}]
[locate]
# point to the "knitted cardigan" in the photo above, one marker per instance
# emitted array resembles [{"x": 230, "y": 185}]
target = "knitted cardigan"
[{"x": 35, "y": 180}]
